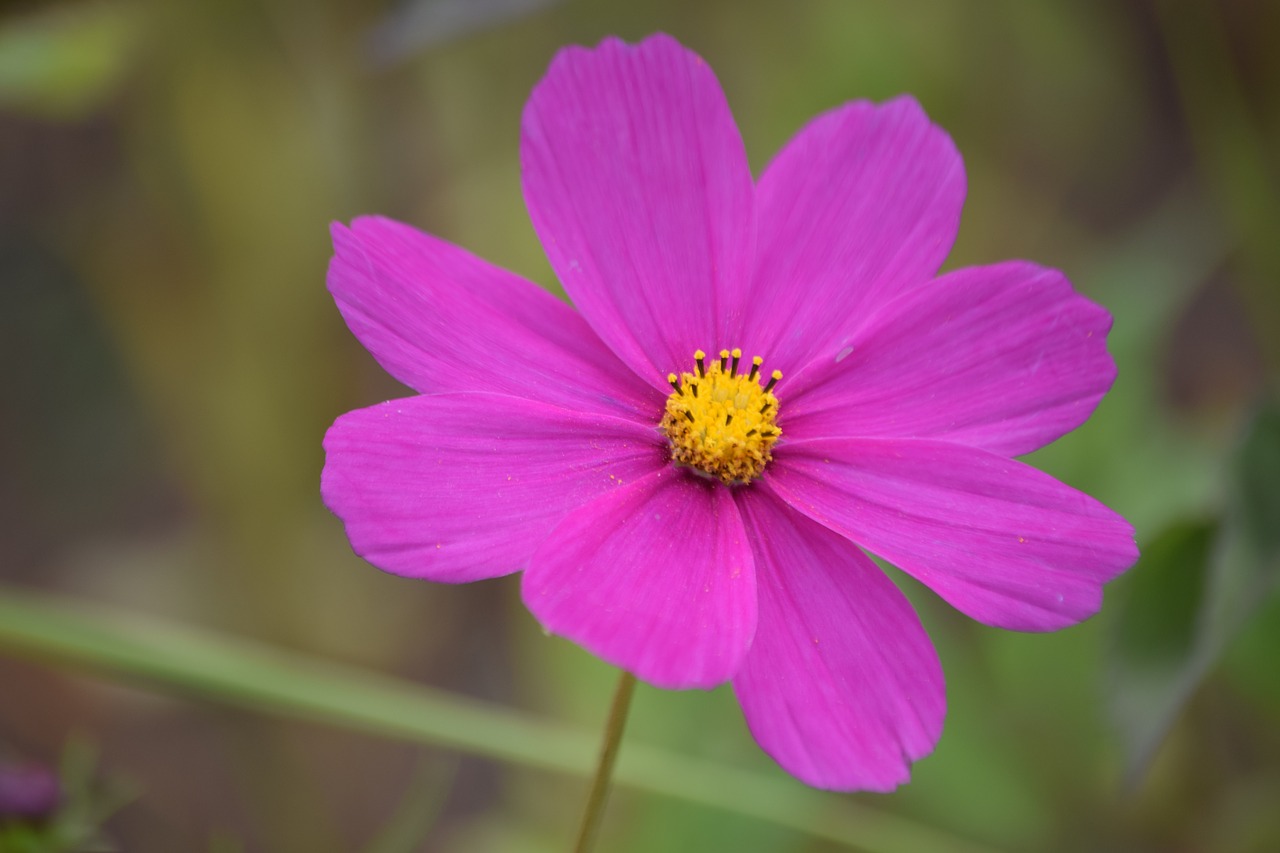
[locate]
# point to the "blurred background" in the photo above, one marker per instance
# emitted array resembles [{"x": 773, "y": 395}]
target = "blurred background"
[{"x": 170, "y": 360}]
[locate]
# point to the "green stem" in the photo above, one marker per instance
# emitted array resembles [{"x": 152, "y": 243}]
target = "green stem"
[
  {"x": 179, "y": 659},
  {"x": 600, "y": 785}
]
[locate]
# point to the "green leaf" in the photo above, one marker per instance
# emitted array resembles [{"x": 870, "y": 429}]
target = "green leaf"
[
  {"x": 1157, "y": 618},
  {"x": 1247, "y": 564},
  {"x": 1194, "y": 590},
  {"x": 1257, "y": 478},
  {"x": 64, "y": 61},
  {"x": 1151, "y": 669}
]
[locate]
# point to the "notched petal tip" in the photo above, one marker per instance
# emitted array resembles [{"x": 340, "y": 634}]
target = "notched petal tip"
[
  {"x": 1002, "y": 542},
  {"x": 1006, "y": 357},
  {"x": 842, "y": 686},
  {"x": 609, "y": 45}
]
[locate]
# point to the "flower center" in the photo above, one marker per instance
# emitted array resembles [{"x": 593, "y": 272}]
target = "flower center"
[{"x": 720, "y": 422}]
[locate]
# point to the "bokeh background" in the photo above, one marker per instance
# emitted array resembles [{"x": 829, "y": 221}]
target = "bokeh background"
[{"x": 169, "y": 361}]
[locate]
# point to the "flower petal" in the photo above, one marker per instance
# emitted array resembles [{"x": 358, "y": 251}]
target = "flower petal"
[
  {"x": 860, "y": 206},
  {"x": 459, "y": 487},
  {"x": 655, "y": 577},
  {"x": 439, "y": 319},
  {"x": 1002, "y": 542},
  {"x": 1006, "y": 357},
  {"x": 638, "y": 184},
  {"x": 841, "y": 686}
]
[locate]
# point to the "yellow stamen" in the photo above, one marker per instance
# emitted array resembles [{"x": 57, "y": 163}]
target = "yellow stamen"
[{"x": 724, "y": 426}]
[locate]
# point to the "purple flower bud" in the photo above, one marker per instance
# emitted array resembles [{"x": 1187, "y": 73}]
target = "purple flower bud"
[{"x": 28, "y": 791}]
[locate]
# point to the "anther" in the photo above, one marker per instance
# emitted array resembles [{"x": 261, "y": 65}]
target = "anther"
[
  {"x": 727, "y": 432},
  {"x": 773, "y": 380}
]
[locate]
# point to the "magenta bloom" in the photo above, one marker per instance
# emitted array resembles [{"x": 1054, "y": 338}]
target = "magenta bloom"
[{"x": 696, "y": 517}]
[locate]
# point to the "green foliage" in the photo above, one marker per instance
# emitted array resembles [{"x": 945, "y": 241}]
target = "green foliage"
[
  {"x": 66, "y": 60},
  {"x": 275, "y": 681},
  {"x": 88, "y": 801},
  {"x": 1152, "y": 667},
  {"x": 1196, "y": 587},
  {"x": 1156, "y": 618},
  {"x": 1256, "y": 496}
]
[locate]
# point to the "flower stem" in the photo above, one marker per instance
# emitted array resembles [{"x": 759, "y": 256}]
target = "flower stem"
[{"x": 604, "y": 770}]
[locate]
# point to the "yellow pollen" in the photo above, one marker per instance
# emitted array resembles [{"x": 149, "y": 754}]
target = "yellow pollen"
[{"x": 720, "y": 422}]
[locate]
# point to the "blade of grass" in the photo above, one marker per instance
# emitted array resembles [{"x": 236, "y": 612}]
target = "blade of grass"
[
  {"x": 419, "y": 807},
  {"x": 252, "y": 675}
]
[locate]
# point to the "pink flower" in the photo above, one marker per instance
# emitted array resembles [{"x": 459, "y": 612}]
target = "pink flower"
[{"x": 680, "y": 536}]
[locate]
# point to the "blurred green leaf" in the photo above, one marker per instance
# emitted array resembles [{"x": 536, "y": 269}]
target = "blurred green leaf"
[
  {"x": 262, "y": 678},
  {"x": 418, "y": 809},
  {"x": 90, "y": 799},
  {"x": 1251, "y": 661},
  {"x": 1195, "y": 588},
  {"x": 1151, "y": 667},
  {"x": 1246, "y": 566},
  {"x": 64, "y": 61},
  {"x": 22, "y": 838},
  {"x": 1157, "y": 619},
  {"x": 87, "y": 801},
  {"x": 1257, "y": 476}
]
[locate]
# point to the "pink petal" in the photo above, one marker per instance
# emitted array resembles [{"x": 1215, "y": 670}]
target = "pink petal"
[
  {"x": 1007, "y": 358},
  {"x": 655, "y": 577},
  {"x": 459, "y": 487},
  {"x": 439, "y": 319},
  {"x": 1002, "y": 542},
  {"x": 638, "y": 184},
  {"x": 841, "y": 686},
  {"x": 863, "y": 204}
]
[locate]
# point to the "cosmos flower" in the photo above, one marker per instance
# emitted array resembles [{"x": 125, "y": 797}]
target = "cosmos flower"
[{"x": 762, "y": 379}]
